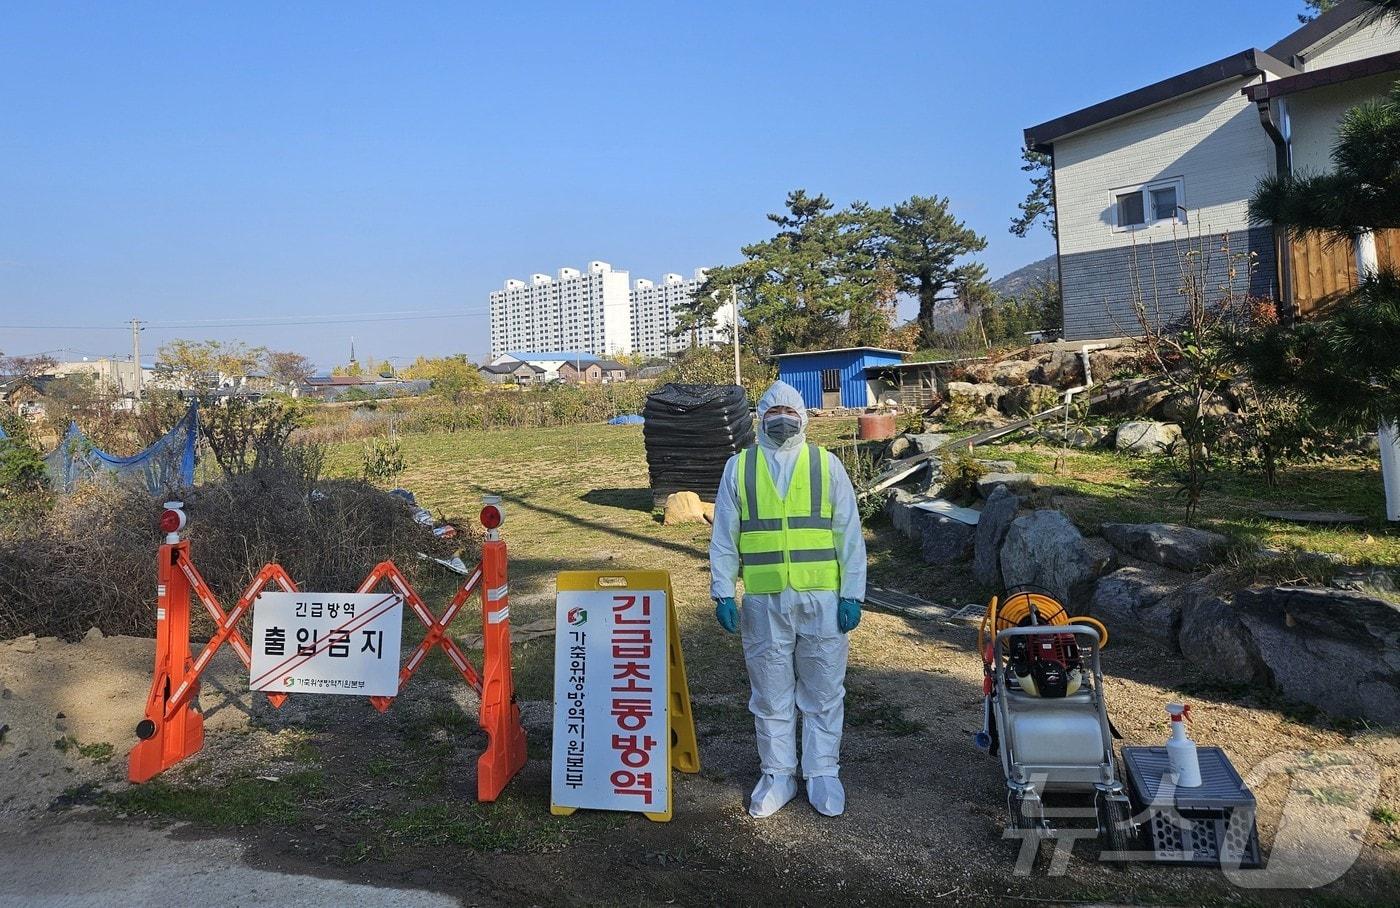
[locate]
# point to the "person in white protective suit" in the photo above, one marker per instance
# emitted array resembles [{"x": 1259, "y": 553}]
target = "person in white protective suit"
[{"x": 786, "y": 519}]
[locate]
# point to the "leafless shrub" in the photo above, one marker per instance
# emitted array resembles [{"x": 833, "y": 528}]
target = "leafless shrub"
[
  {"x": 1182, "y": 326},
  {"x": 245, "y": 434},
  {"x": 91, "y": 562}
]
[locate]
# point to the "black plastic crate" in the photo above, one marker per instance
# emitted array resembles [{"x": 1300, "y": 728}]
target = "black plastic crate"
[{"x": 1210, "y": 824}]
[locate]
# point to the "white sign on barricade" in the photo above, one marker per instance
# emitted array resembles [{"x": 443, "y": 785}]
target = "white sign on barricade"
[
  {"x": 611, "y": 722},
  {"x": 327, "y": 643}
]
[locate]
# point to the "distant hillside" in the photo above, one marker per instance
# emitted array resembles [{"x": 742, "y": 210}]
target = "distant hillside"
[
  {"x": 1018, "y": 281},
  {"x": 949, "y": 316}
]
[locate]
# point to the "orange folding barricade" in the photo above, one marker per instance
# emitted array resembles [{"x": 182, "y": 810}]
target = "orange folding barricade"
[{"x": 173, "y": 729}]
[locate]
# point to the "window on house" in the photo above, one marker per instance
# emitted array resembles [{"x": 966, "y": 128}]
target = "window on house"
[
  {"x": 1130, "y": 213},
  {"x": 831, "y": 379},
  {"x": 1153, "y": 203},
  {"x": 1164, "y": 203}
]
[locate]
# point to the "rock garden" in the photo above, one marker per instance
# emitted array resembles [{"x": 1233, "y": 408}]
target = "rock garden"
[{"x": 1088, "y": 507}]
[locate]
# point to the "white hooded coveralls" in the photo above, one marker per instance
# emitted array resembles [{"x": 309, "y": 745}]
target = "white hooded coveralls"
[{"x": 795, "y": 654}]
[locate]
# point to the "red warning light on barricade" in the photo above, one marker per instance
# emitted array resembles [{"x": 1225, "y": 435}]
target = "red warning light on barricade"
[
  {"x": 491, "y": 516},
  {"x": 172, "y": 519}
]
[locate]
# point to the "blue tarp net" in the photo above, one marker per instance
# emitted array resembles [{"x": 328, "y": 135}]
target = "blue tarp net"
[
  {"x": 162, "y": 468},
  {"x": 630, "y": 419}
]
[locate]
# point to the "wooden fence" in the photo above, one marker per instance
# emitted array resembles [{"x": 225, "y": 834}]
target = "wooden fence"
[{"x": 1323, "y": 272}]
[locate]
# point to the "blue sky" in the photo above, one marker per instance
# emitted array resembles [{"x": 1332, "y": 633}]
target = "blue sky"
[{"x": 199, "y": 161}]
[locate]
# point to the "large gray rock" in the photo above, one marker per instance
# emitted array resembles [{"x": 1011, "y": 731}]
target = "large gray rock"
[
  {"x": 900, "y": 446},
  {"x": 943, "y": 540},
  {"x": 1369, "y": 581},
  {"x": 1105, "y": 364},
  {"x": 1131, "y": 599},
  {"x": 928, "y": 442},
  {"x": 899, "y": 508},
  {"x": 1044, "y": 549},
  {"x": 1018, "y": 482},
  {"x": 1011, "y": 373},
  {"x": 1061, "y": 369},
  {"x": 997, "y": 514},
  {"x": 1133, "y": 397},
  {"x": 1146, "y": 437},
  {"x": 1102, "y": 554},
  {"x": 1167, "y": 544},
  {"x": 967, "y": 401},
  {"x": 1028, "y": 399},
  {"x": 1215, "y": 640},
  {"x": 1338, "y": 651}
]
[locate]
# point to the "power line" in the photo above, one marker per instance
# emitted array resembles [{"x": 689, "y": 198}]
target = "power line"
[
  {"x": 266, "y": 322},
  {"x": 65, "y": 327},
  {"x": 320, "y": 320}
]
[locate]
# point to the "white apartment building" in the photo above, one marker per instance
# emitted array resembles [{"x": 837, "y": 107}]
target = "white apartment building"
[
  {"x": 596, "y": 313},
  {"x": 654, "y": 315},
  {"x": 588, "y": 311}
]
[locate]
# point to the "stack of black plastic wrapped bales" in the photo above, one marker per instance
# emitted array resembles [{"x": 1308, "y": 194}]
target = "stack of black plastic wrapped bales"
[{"x": 691, "y": 430}]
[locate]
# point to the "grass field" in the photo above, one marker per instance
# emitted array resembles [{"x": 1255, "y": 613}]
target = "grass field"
[
  {"x": 578, "y": 498},
  {"x": 575, "y": 498},
  {"x": 1107, "y": 487}
]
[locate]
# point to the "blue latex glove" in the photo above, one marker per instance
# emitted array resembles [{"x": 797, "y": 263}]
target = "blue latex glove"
[
  {"x": 847, "y": 615},
  {"x": 727, "y": 613}
]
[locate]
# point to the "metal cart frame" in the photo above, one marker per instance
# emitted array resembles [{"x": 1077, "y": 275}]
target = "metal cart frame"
[{"x": 1026, "y": 781}]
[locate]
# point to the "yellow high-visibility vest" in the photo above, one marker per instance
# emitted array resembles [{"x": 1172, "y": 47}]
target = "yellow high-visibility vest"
[{"x": 787, "y": 542}]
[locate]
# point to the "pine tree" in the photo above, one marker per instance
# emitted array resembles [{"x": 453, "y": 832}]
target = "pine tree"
[
  {"x": 823, "y": 280},
  {"x": 1039, "y": 203},
  {"x": 1314, "y": 9},
  {"x": 926, "y": 241}
]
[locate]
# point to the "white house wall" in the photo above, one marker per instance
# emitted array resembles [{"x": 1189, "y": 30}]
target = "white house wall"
[
  {"x": 1313, "y": 117},
  {"x": 1380, "y": 37},
  {"x": 1212, "y": 141}
]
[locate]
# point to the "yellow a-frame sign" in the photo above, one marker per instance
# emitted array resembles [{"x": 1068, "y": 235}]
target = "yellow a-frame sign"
[{"x": 586, "y": 602}]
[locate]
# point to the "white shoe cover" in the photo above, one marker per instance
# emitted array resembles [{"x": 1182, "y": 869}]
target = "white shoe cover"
[
  {"x": 827, "y": 795},
  {"x": 770, "y": 794}
]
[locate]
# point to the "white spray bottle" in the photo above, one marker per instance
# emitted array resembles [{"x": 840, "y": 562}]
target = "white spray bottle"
[{"x": 1181, "y": 750}]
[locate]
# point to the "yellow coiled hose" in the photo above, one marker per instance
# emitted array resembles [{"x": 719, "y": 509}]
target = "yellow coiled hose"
[{"x": 1018, "y": 607}]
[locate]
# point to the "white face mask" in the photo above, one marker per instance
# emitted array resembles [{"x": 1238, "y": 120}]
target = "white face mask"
[{"x": 781, "y": 426}]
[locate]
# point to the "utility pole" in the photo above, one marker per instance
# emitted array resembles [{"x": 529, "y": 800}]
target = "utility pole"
[
  {"x": 136, "y": 356},
  {"x": 734, "y": 330}
]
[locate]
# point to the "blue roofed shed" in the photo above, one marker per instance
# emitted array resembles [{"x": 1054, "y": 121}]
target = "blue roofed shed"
[{"x": 828, "y": 379}]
